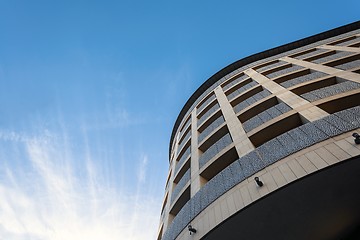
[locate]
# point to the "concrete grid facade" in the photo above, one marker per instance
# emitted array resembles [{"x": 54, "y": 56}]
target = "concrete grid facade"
[{"x": 282, "y": 115}]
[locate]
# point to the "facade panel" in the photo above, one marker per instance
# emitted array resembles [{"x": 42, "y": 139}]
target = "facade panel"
[{"x": 280, "y": 115}]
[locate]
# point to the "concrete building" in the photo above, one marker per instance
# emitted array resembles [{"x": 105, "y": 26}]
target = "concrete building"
[{"x": 286, "y": 116}]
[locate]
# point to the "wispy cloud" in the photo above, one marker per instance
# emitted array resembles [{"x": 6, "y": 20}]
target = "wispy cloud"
[
  {"x": 142, "y": 169},
  {"x": 13, "y": 136},
  {"x": 49, "y": 200}
]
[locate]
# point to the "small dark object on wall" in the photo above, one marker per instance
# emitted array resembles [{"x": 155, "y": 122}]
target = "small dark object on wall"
[
  {"x": 258, "y": 182},
  {"x": 357, "y": 138},
  {"x": 191, "y": 229}
]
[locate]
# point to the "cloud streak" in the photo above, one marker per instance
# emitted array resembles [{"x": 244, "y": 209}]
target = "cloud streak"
[
  {"x": 142, "y": 169},
  {"x": 50, "y": 200}
]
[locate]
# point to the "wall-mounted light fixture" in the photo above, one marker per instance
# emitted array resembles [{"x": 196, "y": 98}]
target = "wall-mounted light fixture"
[
  {"x": 258, "y": 182},
  {"x": 357, "y": 138},
  {"x": 191, "y": 229}
]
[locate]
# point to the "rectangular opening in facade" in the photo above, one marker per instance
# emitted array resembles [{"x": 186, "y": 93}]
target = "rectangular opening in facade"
[
  {"x": 219, "y": 164},
  {"x": 277, "y": 128}
]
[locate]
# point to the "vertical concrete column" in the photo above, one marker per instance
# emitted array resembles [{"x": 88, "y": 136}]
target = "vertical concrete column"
[
  {"x": 173, "y": 162},
  {"x": 196, "y": 179},
  {"x": 242, "y": 143},
  {"x": 325, "y": 69},
  {"x": 305, "y": 108},
  {"x": 169, "y": 218}
]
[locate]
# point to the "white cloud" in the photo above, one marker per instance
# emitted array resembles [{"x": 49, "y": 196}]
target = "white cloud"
[
  {"x": 142, "y": 169},
  {"x": 13, "y": 136},
  {"x": 52, "y": 201}
]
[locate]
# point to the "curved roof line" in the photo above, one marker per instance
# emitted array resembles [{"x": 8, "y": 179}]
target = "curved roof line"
[{"x": 255, "y": 57}]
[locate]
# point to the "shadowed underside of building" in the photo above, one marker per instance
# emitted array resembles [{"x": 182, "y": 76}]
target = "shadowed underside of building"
[{"x": 286, "y": 116}]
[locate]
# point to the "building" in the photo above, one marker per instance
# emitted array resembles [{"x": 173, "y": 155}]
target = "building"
[{"x": 286, "y": 116}]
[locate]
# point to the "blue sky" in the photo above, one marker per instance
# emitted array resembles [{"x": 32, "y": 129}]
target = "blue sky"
[{"x": 89, "y": 93}]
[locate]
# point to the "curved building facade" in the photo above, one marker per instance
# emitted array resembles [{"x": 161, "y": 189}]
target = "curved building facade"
[{"x": 285, "y": 116}]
